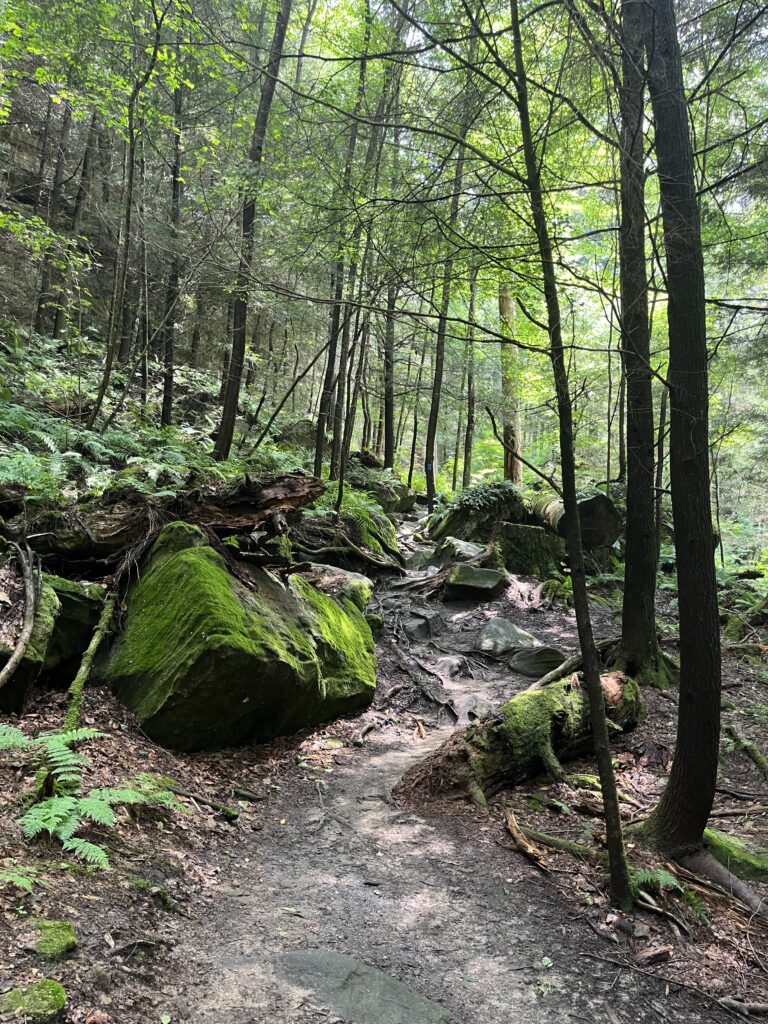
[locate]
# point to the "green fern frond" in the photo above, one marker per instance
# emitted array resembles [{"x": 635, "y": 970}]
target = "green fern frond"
[
  {"x": 656, "y": 879},
  {"x": 13, "y": 739},
  {"x": 89, "y": 852},
  {"x": 696, "y": 905},
  {"x": 95, "y": 809},
  {"x": 20, "y": 876},
  {"x": 48, "y": 816}
]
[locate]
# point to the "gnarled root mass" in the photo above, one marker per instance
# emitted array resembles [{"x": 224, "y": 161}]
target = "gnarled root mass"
[{"x": 534, "y": 731}]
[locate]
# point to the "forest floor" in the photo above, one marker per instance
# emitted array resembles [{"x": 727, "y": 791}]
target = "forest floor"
[{"x": 326, "y": 902}]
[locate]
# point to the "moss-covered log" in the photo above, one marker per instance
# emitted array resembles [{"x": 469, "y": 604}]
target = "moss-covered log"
[{"x": 533, "y": 732}]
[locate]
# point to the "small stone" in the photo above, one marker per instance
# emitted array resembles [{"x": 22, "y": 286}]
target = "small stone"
[{"x": 56, "y": 939}]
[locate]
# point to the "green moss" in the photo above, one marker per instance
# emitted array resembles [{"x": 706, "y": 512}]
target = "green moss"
[
  {"x": 375, "y": 623},
  {"x": 38, "y": 1003},
  {"x": 734, "y": 629},
  {"x": 530, "y": 550},
  {"x": 157, "y": 892},
  {"x": 91, "y": 591},
  {"x": 346, "y": 641},
  {"x": 175, "y": 537},
  {"x": 206, "y": 661},
  {"x": 57, "y": 938},
  {"x": 742, "y": 859},
  {"x": 375, "y": 531}
]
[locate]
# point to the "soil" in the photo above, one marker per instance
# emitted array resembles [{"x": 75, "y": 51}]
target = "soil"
[{"x": 249, "y": 922}]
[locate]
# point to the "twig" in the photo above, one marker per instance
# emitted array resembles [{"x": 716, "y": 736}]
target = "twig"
[
  {"x": 548, "y": 479},
  {"x": 230, "y": 813},
  {"x": 534, "y": 855},
  {"x": 25, "y": 564}
]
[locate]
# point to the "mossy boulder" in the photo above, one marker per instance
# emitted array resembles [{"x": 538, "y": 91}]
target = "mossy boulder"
[
  {"x": 208, "y": 661},
  {"x": 39, "y": 1003},
  {"x": 341, "y": 583},
  {"x": 56, "y": 939},
  {"x": 452, "y": 549},
  {"x": 529, "y": 550},
  {"x": 465, "y": 582},
  {"x": 13, "y": 695}
]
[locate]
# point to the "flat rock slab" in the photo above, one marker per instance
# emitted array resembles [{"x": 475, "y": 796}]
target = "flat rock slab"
[
  {"x": 537, "y": 661},
  {"x": 356, "y": 992},
  {"x": 500, "y": 636},
  {"x": 467, "y": 581}
]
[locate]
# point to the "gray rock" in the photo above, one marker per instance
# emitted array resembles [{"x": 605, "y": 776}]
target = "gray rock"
[
  {"x": 537, "y": 661},
  {"x": 454, "y": 550},
  {"x": 499, "y": 636},
  {"x": 467, "y": 581},
  {"x": 356, "y": 992},
  {"x": 422, "y": 624},
  {"x": 419, "y": 559},
  {"x": 343, "y": 583}
]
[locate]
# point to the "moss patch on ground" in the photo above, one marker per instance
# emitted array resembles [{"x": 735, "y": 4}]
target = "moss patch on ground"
[
  {"x": 57, "y": 938},
  {"x": 44, "y": 1001}
]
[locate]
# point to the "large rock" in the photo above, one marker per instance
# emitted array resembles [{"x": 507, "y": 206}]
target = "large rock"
[
  {"x": 537, "y": 661},
  {"x": 499, "y": 636},
  {"x": 80, "y": 606},
  {"x": 452, "y": 549},
  {"x": 330, "y": 579},
  {"x": 206, "y": 661},
  {"x": 467, "y": 581},
  {"x": 529, "y": 550}
]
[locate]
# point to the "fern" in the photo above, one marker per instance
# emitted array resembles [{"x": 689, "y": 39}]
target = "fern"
[
  {"x": 13, "y": 739},
  {"x": 20, "y": 876},
  {"x": 48, "y": 816},
  {"x": 89, "y": 852},
  {"x": 696, "y": 905},
  {"x": 655, "y": 879}
]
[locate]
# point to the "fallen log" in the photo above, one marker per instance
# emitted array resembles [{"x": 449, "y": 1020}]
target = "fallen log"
[
  {"x": 533, "y": 732},
  {"x": 123, "y": 517}
]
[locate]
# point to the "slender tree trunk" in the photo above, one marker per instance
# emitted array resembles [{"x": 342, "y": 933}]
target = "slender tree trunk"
[
  {"x": 677, "y": 824},
  {"x": 194, "y": 353},
  {"x": 619, "y": 874},
  {"x": 659, "y": 482},
  {"x": 242, "y": 289},
  {"x": 469, "y": 435},
  {"x": 326, "y": 395},
  {"x": 389, "y": 375},
  {"x": 46, "y": 301},
  {"x": 416, "y": 404},
  {"x": 639, "y": 655},
  {"x": 513, "y": 440},
  {"x": 172, "y": 294}
]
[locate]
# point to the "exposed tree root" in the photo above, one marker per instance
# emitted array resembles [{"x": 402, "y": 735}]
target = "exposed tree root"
[
  {"x": 703, "y": 863},
  {"x": 30, "y": 601}
]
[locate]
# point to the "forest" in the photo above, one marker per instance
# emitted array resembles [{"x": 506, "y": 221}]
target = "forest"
[{"x": 383, "y": 546}]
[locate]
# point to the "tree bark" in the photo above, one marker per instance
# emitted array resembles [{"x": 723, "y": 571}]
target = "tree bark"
[
  {"x": 619, "y": 874},
  {"x": 172, "y": 293},
  {"x": 469, "y": 435},
  {"x": 639, "y": 653},
  {"x": 513, "y": 441},
  {"x": 677, "y": 824},
  {"x": 242, "y": 289}
]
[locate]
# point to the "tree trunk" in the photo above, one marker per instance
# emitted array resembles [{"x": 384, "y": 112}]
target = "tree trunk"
[
  {"x": 469, "y": 436},
  {"x": 172, "y": 294},
  {"x": 619, "y": 874},
  {"x": 45, "y": 302},
  {"x": 532, "y": 733},
  {"x": 638, "y": 653},
  {"x": 242, "y": 289},
  {"x": 513, "y": 441},
  {"x": 677, "y": 824},
  {"x": 389, "y": 375}
]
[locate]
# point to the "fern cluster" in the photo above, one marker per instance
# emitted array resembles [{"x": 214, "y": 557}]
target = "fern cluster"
[{"x": 63, "y": 809}]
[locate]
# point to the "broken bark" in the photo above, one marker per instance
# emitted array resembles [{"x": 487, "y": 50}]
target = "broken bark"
[
  {"x": 531, "y": 733},
  {"x": 28, "y": 624},
  {"x": 124, "y": 517}
]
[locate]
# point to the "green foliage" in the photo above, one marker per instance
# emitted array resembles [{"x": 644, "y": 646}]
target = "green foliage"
[
  {"x": 655, "y": 880},
  {"x": 20, "y": 876},
  {"x": 62, "y": 809}
]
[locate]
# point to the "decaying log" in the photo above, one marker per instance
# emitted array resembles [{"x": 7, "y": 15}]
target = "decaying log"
[
  {"x": 599, "y": 520},
  {"x": 123, "y": 517},
  {"x": 531, "y": 733}
]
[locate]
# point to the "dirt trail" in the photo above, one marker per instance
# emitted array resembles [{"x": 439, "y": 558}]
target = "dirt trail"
[{"x": 435, "y": 904}]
